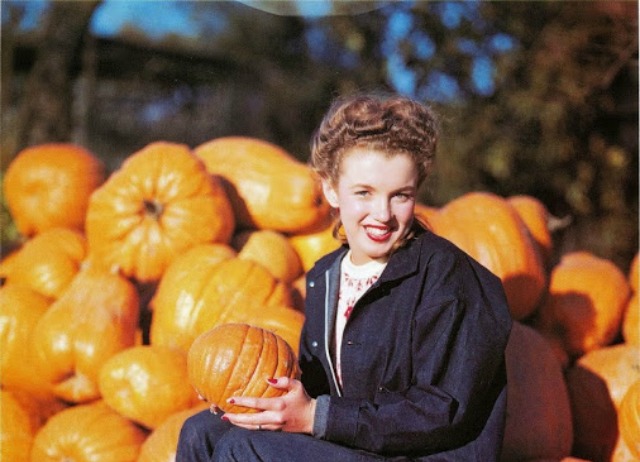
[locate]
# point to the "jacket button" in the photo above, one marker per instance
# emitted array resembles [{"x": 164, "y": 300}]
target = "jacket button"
[
  {"x": 314, "y": 344},
  {"x": 349, "y": 342},
  {"x": 312, "y": 284}
]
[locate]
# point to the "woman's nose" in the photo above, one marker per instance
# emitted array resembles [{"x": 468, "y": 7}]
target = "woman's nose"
[{"x": 382, "y": 211}]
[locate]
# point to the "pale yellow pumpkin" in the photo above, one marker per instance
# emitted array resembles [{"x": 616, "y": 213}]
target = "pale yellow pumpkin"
[
  {"x": 96, "y": 317},
  {"x": 272, "y": 250},
  {"x": 190, "y": 301},
  {"x": 268, "y": 187},
  {"x": 147, "y": 383}
]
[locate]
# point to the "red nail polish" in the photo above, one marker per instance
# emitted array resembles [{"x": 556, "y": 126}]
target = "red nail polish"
[
  {"x": 272, "y": 381},
  {"x": 231, "y": 401},
  {"x": 224, "y": 417}
]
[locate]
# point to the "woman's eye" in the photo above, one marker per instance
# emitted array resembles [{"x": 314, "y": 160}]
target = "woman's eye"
[{"x": 362, "y": 193}]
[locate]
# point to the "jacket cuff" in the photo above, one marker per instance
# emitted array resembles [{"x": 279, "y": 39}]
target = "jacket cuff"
[{"x": 321, "y": 416}]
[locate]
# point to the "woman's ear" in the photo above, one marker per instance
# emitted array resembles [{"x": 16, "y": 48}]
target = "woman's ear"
[{"x": 330, "y": 194}]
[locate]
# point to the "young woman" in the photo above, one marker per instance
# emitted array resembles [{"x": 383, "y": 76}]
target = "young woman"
[{"x": 402, "y": 351}]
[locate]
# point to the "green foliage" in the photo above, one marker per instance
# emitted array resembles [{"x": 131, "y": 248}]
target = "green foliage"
[{"x": 553, "y": 127}]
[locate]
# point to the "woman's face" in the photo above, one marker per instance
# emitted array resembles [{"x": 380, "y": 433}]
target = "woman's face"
[{"x": 375, "y": 196}]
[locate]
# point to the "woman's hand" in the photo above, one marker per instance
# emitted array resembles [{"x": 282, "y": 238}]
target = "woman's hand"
[{"x": 292, "y": 412}]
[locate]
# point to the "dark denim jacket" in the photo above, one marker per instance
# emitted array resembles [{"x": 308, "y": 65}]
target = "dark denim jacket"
[{"x": 423, "y": 364}]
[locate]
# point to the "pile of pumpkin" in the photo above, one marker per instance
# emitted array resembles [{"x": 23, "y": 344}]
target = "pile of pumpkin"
[{"x": 119, "y": 273}]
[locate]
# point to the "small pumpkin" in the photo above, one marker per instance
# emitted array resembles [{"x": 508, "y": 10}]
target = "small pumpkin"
[
  {"x": 146, "y": 383},
  {"x": 88, "y": 432},
  {"x": 272, "y": 250},
  {"x": 268, "y": 187},
  {"x": 49, "y": 261},
  {"x": 160, "y": 203},
  {"x": 199, "y": 294},
  {"x": 236, "y": 360},
  {"x": 489, "y": 229},
  {"x": 585, "y": 304},
  {"x": 48, "y": 186},
  {"x": 95, "y": 318},
  {"x": 629, "y": 418},
  {"x": 161, "y": 445}
]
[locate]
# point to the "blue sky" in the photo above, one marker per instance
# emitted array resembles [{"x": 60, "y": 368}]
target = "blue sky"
[{"x": 156, "y": 17}]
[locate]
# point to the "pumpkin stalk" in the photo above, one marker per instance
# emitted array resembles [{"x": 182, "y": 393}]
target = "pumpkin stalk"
[{"x": 153, "y": 208}]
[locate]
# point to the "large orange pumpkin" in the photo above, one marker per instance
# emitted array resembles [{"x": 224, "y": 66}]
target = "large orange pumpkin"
[
  {"x": 539, "y": 423},
  {"x": 147, "y": 383},
  {"x": 272, "y": 250},
  {"x": 489, "y": 229},
  {"x": 88, "y": 433},
  {"x": 597, "y": 383},
  {"x": 48, "y": 186},
  {"x": 426, "y": 213},
  {"x": 585, "y": 304},
  {"x": 49, "y": 261},
  {"x": 236, "y": 360},
  {"x": 160, "y": 203},
  {"x": 161, "y": 445},
  {"x": 268, "y": 187},
  {"x": 95, "y": 318},
  {"x": 197, "y": 294}
]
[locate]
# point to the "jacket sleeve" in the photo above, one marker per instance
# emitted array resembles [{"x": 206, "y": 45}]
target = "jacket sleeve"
[{"x": 460, "y": 330}]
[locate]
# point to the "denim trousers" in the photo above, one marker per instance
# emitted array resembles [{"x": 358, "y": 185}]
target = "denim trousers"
[{"x": 206, "y": 438}]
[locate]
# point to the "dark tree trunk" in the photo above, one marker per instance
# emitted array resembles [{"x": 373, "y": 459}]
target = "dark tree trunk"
[{"x": 47, "y": 104}]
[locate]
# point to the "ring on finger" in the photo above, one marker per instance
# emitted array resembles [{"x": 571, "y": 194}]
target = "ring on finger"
[{"x": 259, "y": 427}]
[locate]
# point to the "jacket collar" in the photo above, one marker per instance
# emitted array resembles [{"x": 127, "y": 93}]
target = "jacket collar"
[{"x": 403, "y": 261}]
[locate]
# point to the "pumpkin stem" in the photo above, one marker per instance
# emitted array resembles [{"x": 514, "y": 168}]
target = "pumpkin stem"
[
  {"x": 558, "y": 223},
  {"x": 153, "y": 208}
]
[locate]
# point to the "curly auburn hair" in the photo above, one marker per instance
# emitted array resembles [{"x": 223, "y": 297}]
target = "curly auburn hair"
[{"x": 390, "y": 124}]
